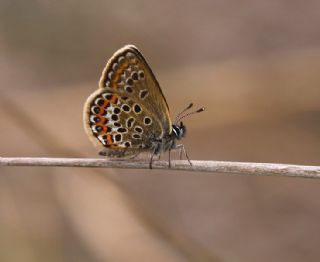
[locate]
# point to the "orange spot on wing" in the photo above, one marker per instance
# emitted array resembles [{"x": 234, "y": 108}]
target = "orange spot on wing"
[
  {"x": 113, "y": 100},
  {"x": 118, "y": 74},
  {"x": 103, "y": 130},
  {"x": 102, "y": 121},
  {"x": 116, "y": 79},
  {"x": 109, "y": 140},
  {"x": 102, "y": 111},
  {"x": 106, "y": 104},
  {"x": 124, "y": 65}
]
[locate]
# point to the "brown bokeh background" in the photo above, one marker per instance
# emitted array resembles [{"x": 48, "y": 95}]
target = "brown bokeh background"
[{"x": 255, "y": 65}]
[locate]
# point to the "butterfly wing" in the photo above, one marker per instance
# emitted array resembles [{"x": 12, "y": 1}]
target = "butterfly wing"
[
  {"x": 128, "y": 72},
  {"x": 119, "y": 122},
  {"x": 128, "y": 112}
]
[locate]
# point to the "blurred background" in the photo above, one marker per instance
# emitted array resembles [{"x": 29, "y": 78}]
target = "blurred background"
[{"x": 255, "y": 66}]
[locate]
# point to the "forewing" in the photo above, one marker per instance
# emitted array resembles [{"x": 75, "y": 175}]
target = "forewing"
[{"x": 127, "y": 72}]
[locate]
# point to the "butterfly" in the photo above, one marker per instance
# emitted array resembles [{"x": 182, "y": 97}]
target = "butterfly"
[{"x": 129, "y": 114}]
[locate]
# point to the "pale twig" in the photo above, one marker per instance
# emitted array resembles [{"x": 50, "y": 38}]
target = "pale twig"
[{"x": 239, "y": 168}]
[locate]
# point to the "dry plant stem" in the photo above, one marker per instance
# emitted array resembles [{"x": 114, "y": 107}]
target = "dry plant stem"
[{"x": 239, "y": 168}]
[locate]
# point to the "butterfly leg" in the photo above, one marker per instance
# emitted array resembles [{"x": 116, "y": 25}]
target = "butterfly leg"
[
  {"x": 183, "y": 149},
  {"x": 151, "y": 158},
  {"x": 180, "y": 153},
  {"x": 169, "y": 158},
  {"x": 156, "y": 147}
]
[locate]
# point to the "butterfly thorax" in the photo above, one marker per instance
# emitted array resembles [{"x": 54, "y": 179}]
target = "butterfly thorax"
[{"x": 168, "y": 142}]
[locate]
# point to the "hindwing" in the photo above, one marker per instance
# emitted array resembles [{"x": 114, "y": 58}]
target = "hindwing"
[{"x": 117, "y": 121}]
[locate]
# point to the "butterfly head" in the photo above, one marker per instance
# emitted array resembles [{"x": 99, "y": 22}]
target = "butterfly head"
[
  {"x": 179, "y": 131},
  {"x": 178, "y": 128}
]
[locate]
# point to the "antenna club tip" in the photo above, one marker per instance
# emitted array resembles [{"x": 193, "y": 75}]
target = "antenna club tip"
[
  {"x": 201, "y": 109},
  {"x": 190, "y": 105}
]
